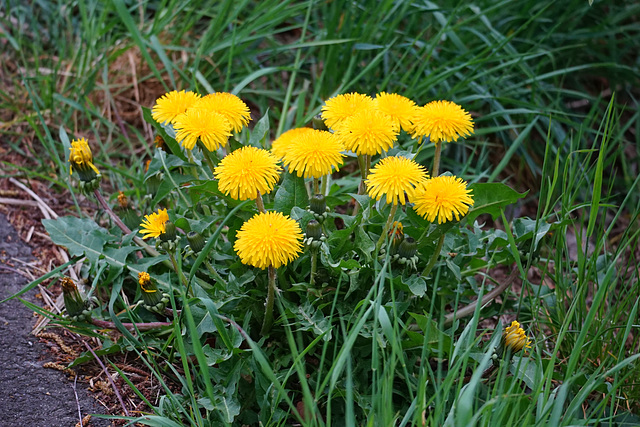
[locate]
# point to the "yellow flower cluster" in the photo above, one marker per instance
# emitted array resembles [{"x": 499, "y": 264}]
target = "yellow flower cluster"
[
  {"x": 515, "y": 337},
  {"x": 369, "y": 126},
  {"x": 210, "y": 119},
  {"x": 309, "y": 152}
]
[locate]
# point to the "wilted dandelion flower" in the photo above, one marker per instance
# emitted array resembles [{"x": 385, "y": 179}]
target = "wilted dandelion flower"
[
  {"x": 394, "y": 177},
  {"x": 170, "y": 105},
  {"x": 247, "y": 171},
  {"x": 515, "y": 338},
  {"x": 314, "y": 154},
  {"x": 212, "y": 128},
  {"x": 282, "y": 144},
  {"x": 339, "y": 108},
  {"x": 153, "y": 225},
  {"x": 269, "y": 239},
  {"x": 441, "y": 121},
  {"x": 398, "y": 107},
  {"x": 80, "y": 156},
  {"x": 442, "y": 197},
  {"x": 369, "y": 132},
  {"x": 230, "y": 106}
]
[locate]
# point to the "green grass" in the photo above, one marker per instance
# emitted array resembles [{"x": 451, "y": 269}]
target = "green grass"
[{"x": 539, "y": 79}]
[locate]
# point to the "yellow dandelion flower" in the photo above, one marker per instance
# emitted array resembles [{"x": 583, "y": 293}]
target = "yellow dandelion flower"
[
  {"x": 269, "y": 238},
  {"x": 247, "y": 171},
  {"x": 396, "y": 178},
  {"x": 212, "y": 128},
  {"x": 368, "y": 132},
  {"x": 400, "y": 108},
  {"x": 281, "y": 145},
  {"x": 170, "y": 105},
  {"x": 515, "y": 338},
  {"x": 230, "y": 106},
  {"x": 80, "y": 156},
  {"x": 314, "y": 154},
  {"x": 153, "y": 225},
  {"x": 441, "y": 121},
  {"x": 339, "y": 108},
  {"x": 442, "y": 197}
]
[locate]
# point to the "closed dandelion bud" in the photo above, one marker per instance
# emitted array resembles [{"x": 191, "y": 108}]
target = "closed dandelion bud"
[
  {"x": 123, "y": 201},
  {"x": 169, "y": 234},
  {"x": 318, "y": 204},
  {"x": 408, "y": 248},
  {"x": 196, "y": 241},
  {"x": 314, "y": 230},
  {"x": 74, "y": 301},
  {"x": 515, "y": 338},
  {"x": 318, "y": 123},
  {"x": 81, "y": 160}
]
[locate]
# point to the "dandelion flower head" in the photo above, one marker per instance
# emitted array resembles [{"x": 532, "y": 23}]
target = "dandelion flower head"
[
  {"x": 247, "y": 171},
  {"x": 282, "y": 144},
  {"x": 170, "y": 105},
  {"x": 80, "y": 156},
  {"x": 212, "y": 128},
  {"x": 515, "y": 338},
  {"x": 314, "y": 154},
  {"x": 442, "y": 198},
  {"x": 396, "y": 178},
  {"x": 269, "y": 238},
  {"x": 339, "y": 108},
  {"x": 153, "y": 225},
  {"x": 400, "y": 108},
  {"x": 368, "y": 132},
  {"x": 230, "y": 106},
  {"x": 441, "y": 121}
]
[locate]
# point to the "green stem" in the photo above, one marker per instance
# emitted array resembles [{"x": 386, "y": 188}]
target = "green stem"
[
  {"x": 385, "y": 230},
  {"x": 260, "y": 203},
  {"x": 314, "y": 267},
  {"x": 434, "y": 257},
  {"x": 271, "y": 293},
  {"x": 207, "y": 156},
  {"x": 172, "y": 257},
  {"x": 436, "y": 160},
  {"x": 362, "y": 162},
  {"x": 316, "y": 186}
]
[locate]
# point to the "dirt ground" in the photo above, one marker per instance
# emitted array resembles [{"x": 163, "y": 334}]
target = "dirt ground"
[{"x": 30, "y": 394}]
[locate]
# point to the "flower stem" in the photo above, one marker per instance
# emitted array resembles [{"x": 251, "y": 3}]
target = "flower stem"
[
  {"x": 365, "y": 162},
  {"x": 172, "y": 257},
  {"x": 207, "y": 156},
  {"x": 121, "y": 225},
  {"x": 435, "y": 171},
  {"x": 392, "y": 214},
  {"x": 434, "y": 257},
  {"x": 316, "y": 186},
  {"x": 260, "y": 203},
  {"x": 271, "y": 293}
]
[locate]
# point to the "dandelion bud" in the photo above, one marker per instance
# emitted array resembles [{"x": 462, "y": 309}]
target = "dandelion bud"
[
  {"x": 514, "y": 338},
  {"x": 152, "y": 298},
  {"x": 314, "y": 230},
  {"x": 318, "y": 204},
  {"x": 196, "y": 241},
  {"x": 81, "y": 158},
  {"x": 408, "y": 248},
  {"x": 318, "y": 123},
  {"x": 169, "y": 233},
  {"x": 74, "y": 302}
]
